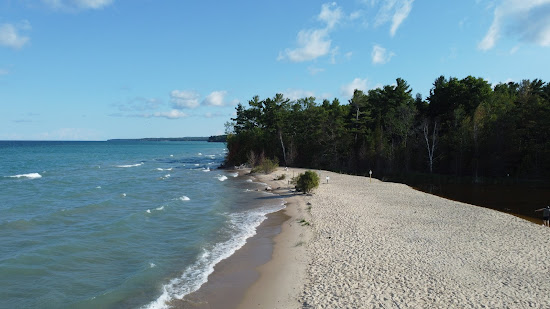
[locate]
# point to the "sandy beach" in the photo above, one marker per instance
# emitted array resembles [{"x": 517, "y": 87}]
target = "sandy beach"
[
  {"x": 372, "y": 244},
  {"x": 362, "y": 243}
]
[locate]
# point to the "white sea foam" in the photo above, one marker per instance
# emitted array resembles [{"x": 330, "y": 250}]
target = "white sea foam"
[
  {"x": 160, "y": 208},
  {"x": 234, "y": 174},
  {"x": 244, "y": 225},
  {"x": 98, "y": 187},
  {"x": 171, "y": 155},
  {"x": 249, "y": 180},
  {"x": 123, "y": 194},
  {"x": 222, "y": 177},
  {"x": 206, "y": 169},
  {"x": 211, "y": 156},
  {"x": 29, "y": 175},
  {"x": 167, "y": 176},
  {"x": 184, "y": 198},
  {"x": 196, "y": 164},
  {"x": 148, "y": 211},
  {"x": 164, "y": 169},
  {"x": 151, "y": 265},
  {"x": 200, "y": 154},
  {"x": 130, "y": 165}
]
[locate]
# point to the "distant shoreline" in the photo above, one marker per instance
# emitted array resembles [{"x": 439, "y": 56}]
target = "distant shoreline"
[
  {"x": 217, "y": 138},
  {"x": 214, "y": 138}
]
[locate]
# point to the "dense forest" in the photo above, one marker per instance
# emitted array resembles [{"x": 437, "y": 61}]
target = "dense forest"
[{"x": 465, "y": 127}]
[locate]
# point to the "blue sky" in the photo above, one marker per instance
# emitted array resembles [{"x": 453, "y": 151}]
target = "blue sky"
[{"x": 101, "y": 69}]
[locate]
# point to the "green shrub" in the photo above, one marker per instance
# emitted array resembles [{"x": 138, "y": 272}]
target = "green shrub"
[
  {"x": 282, "y": 177},
  {"x": 267, "y": 166},
  {"x": 307, "y": 181}
]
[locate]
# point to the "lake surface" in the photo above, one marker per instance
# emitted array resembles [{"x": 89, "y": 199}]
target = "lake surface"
[{"x": 118, "y": 224}]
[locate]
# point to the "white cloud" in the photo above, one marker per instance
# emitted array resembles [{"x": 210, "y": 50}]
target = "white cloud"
[
  {"x": 77, "y": 4},
  {"x": 394, "y": 11},
  {"x": 216, "y": 98},
  {"x": 401, "y": 13},
  {"x": 380, "y": 55},
  {"x": 4, "y": 72},
  {"x": 184, "y": 99},
  {"x": 348, "y": 89},
  {"x": 492, "y": 35},
  {"x": 173, "y": 114},
  {"x": 331, "y": 14},
  {"x": 528, "y": 20},
  {"x": 312, "y": 44},
  {"x": 315, "y": 43},
  {"x": 295, "y": 94},
  {"x": 10, "y": 36}
]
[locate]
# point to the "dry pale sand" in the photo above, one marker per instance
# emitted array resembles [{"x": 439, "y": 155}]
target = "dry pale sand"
[{"x": 386, "y": 245}]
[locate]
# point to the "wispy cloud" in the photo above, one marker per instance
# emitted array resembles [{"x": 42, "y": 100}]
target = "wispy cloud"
[
  {"x": 316, "y": 42},
  {"x": 77, "y": 134},
  {"x": 393, "y": 11},
  {"x": 77, "y": 4},
  {"x": 380, "y": 55},
  {"x": 348, "y": 89},
  {"x": 527, "y": 20},
  {"x": 10, "y": 35},
  {"x": 216, "y": 98},
  {"x": 295, "y": 94},
  {"x": 140, "y": 104},
  {"x": 355, "y": 15},
  {"x": 173, "y": 114},
  {"x": 216, "y": 114},
  {"x": 331, "y": 14},
  {"x": 315, "y": 70},
  {"x": 4, "y": 72},
  {"x": 184, "y": 99}
]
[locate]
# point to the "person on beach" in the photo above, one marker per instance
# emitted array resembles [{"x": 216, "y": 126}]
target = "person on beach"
[{"x": 545, "y": 215}]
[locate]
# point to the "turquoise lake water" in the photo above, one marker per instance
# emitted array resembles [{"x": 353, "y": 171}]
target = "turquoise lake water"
[{"x": 117, "y": 224}]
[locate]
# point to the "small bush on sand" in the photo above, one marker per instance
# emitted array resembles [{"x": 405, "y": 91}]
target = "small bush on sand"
[
  {"x": 282, "y": 177},
  {"x": 307, "y": 181},
  {"x": 267, "y": 166}
]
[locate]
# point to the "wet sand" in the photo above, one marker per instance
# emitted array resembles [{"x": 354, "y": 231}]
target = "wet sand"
[
  {"x": 231, "y": 278},
  {"x": 256, "y": 272}
]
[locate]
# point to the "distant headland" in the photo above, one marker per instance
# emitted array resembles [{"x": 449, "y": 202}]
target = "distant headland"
[{"x": 213, "y": 139}]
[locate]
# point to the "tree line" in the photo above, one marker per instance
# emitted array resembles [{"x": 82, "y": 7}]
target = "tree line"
[{"x": 465, "y": 127}]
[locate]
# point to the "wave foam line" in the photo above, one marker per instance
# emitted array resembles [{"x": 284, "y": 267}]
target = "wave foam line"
[
  {"x": 130, "y": 165},
  {"x": 29, "y": 175},
  {"x": 245, "y": 224},
  {"x": 221, "y": 177}
]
